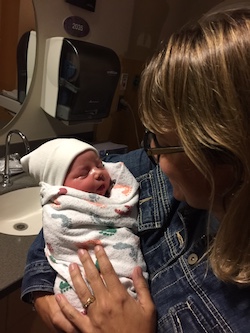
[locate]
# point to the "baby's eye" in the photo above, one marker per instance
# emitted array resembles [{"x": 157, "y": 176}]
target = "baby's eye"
[
  {"x": 82, "y": 177},
  {"x": 83, "y": 174}
]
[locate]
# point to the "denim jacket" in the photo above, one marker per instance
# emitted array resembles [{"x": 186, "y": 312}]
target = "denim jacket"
[{"x": 188, "y": 296}]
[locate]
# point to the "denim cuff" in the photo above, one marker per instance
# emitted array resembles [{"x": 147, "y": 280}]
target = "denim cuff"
[{"x": 38, "y": 276}]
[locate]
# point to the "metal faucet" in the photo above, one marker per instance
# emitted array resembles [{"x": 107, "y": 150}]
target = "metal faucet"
[{"x": 6, "y": 175}]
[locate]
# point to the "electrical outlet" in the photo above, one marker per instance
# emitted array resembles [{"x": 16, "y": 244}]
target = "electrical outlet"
[{"x": 123, "y": 81}]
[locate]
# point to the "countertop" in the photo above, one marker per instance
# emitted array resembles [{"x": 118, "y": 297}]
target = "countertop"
[{"x": 13, "y": 249}]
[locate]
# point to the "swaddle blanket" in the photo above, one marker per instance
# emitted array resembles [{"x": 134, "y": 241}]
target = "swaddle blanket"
[{"x": 74, "y": 219}]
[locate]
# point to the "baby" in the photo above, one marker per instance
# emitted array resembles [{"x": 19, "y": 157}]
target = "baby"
[{"x": 85, "y": 202}]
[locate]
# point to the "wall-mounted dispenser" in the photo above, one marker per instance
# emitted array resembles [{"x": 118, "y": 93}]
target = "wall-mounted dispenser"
[
  {"x": 26, "y": 55},
  {"x": 79, "y": 80}
]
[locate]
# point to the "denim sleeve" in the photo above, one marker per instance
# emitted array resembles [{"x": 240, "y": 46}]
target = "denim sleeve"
[
  {"x": 136, "y": 161},
  {"x": 38, "y": 274}
]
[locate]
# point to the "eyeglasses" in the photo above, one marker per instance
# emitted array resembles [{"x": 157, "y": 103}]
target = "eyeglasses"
[{"x": 154, "y": 150}]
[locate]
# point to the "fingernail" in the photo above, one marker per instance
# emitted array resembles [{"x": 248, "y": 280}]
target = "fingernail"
[
  {"x": 72, "y": 267},
  {"x": 58, "y": 297},
  {"x": 98, "y": 248},
  {"x": 138, "y": 271},
  {"x": 81, "y": 252}
]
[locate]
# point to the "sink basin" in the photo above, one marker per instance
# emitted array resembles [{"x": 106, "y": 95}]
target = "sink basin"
[{"x": 21, "y": 212}]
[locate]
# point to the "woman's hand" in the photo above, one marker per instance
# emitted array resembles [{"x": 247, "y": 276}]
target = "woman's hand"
[
  {"x": 113, "y": 310},
  {"x": 51, "y": 314}
]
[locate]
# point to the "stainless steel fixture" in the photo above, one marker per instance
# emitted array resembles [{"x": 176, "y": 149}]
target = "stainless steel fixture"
[{"x": 6, "y": 175}]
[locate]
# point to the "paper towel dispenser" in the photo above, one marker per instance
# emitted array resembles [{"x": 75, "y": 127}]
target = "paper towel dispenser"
[{"x": 79, "y": 80}]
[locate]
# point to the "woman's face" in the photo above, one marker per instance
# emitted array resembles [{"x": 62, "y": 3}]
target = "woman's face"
[{"x": 189, "y": 184}]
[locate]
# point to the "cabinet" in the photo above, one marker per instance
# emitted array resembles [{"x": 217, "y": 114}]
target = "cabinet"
[{"x": 17, "y": 316}]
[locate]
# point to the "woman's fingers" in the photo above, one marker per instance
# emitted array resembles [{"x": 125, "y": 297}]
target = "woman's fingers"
[
  {"x": 101, "y": 280},
  {"x": 108, "y": 273},
  {"x": 141, "y": 285},
  {"x": 113, "y": 309},
  {"x": 143, "y": 293},
  {"x": 80, "y": 284},
  {"x": 51, "y": 314},
  {"x": 74, "y": 316},
  {"x": 107, "y": 279},
  {"x": 93, "y": 282}
]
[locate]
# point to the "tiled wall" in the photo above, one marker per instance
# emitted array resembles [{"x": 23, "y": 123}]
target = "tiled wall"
[{"x": 17, "y": 316}]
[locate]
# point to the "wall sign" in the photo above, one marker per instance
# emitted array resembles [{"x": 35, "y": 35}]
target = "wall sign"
[{"x": 76, "y": 26}]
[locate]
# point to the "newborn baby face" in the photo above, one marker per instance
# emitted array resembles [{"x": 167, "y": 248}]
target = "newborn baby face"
[{"x": 87, "y": 173}]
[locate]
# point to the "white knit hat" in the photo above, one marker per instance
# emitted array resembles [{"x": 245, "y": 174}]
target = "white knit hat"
[{"x": 50, "y": 162}]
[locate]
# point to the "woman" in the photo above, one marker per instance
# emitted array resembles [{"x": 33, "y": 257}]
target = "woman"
[{"x": 195, "y": 104}]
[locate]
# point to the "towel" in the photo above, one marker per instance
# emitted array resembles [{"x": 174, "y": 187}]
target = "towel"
[
  {"x": 15, "y": 166},
  {"x": 74, "y": 219}
]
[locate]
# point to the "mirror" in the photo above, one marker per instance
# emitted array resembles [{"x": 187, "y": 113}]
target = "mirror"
[{"x": 16, "y": 18}]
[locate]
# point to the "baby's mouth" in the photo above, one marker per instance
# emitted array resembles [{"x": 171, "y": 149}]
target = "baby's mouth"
[{"x": 101, "y": 188}]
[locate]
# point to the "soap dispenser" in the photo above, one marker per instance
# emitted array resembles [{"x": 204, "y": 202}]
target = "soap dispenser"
[{"x": 79, "y": 80}]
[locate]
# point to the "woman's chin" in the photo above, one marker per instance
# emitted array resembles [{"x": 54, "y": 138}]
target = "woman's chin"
[{"x": 178, "y": 195}]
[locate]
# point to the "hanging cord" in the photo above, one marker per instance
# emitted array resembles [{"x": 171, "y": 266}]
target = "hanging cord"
[{"x": 126, "y": 106}]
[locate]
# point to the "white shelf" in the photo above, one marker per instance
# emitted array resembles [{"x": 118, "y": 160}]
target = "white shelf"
[{"x": 10, "y": 104}]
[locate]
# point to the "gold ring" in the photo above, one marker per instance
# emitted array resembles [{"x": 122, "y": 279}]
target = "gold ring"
[{"x": 90, "y": 300}]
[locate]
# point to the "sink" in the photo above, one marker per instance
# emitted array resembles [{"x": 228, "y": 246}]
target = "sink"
[{"x": 21, "y": 212}]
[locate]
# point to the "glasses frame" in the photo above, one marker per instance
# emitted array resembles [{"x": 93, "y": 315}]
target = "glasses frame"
[{"x": 158, "y": 150}]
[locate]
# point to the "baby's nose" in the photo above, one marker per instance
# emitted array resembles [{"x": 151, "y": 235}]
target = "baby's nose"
[{"x": 98, "y": 174}]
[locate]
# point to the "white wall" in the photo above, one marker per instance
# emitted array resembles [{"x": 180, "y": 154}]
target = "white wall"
[{"x": 182, "y": 11}]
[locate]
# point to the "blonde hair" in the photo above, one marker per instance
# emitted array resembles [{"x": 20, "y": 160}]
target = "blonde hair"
[{"x": 200, "y": 84}]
